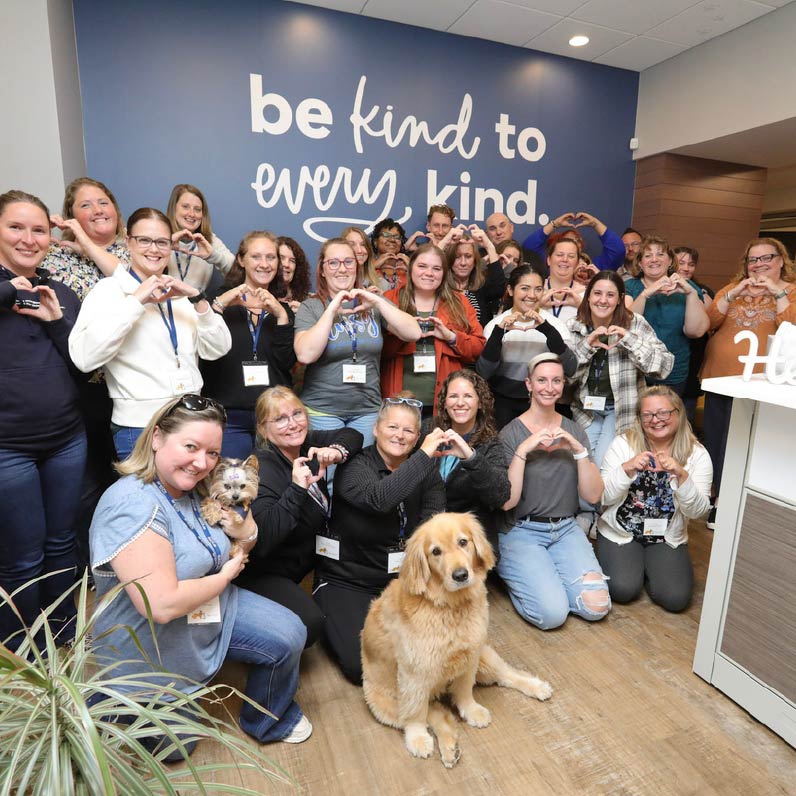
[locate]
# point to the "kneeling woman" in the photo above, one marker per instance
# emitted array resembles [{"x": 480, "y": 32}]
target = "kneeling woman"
[
  {"x": 148, "y": 533},
  {"x": 657, "y": 477},
  {"x": 545, "y": 559},
  {"x": 380, "y": 497}
]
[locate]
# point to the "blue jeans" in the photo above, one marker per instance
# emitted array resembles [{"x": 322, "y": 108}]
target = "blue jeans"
[
  {"x": 239, "y": 434},
  {"x": 601, "y": 433},
  {"x": 40, "y": 497},
  {"x": 362, "y": 423},
  {"x": 124, "y": 439},
  {"x": 270, "y": 638},
  {"x": 544, "y": 566}
]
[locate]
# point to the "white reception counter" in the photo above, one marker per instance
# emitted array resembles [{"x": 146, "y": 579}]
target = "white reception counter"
[{"x": 746, "y": 645}]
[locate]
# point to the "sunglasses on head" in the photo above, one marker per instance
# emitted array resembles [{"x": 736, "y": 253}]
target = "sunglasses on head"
[
  {"x": 197, "y": 403},
  {"x": 413, "y": 402}
]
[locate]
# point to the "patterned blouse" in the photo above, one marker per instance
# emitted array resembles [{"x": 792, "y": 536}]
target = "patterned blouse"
[{"x": 76, "y": 271}]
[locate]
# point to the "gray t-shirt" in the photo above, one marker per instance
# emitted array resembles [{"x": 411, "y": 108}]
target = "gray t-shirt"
[
  {"x": 550, "y": 486},
  {"x": 324, "y": 389},
  {"x": 126, "y": 510}
]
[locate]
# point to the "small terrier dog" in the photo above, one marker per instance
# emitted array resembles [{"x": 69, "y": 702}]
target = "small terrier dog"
[{"x": 234, "y": 486}]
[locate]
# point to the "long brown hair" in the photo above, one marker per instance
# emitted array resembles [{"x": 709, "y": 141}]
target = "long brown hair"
[
  {"x": 448, "y": 297},
  {"x": 321, "y": 286},
  {"x": 477, "y": 275},
  {"x": 622, "y": 315},
  {"x": 69, "y": 203},
  {"x": 237, "y": 274},
  {"x": 484, "y": 428}
]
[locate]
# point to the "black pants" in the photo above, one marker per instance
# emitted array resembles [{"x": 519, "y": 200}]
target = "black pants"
[
  {"x": 345, "y": 609},
  {"x": 284, "y": 591},
  {"x": 715, "y": 429},
  {"x": 667, "y": 571}
]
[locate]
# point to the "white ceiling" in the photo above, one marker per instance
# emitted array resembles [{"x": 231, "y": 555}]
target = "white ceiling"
[{"x": 629, "y": 34}]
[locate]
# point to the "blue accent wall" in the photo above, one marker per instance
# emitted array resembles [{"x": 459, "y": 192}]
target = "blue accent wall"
[{"x": 169, "y": 96}]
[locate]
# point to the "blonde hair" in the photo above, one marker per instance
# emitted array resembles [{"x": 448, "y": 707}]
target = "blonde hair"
[
  {"x": 684, "y": 439},
  {"x": 170, "y": 418},
  {"x": 788, "y": 272},
  {"x": 370, "y": 274},
  {"x": 267, "y": 403}
]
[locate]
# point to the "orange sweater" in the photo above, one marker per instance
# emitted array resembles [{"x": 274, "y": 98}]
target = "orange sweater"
[
  {"x": 470, "y": 343},
  {"x": 757, "y": 314}
]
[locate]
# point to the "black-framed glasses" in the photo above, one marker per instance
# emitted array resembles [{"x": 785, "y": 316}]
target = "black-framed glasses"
[
  {"x": 399, "y": 399},
  {"x": 164, "y": 244},
  {"x": 283, "y": 421},
  {"x": 763, "y": 258},
  {"x": 197, "y": 403},
  {"x": 661, "y": 414}
]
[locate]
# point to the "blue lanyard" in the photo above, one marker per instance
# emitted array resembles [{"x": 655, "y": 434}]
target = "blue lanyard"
[
  {"x": 183, "y": 274},
  {"x": 170, "y": 324},
  {"x": 209, "y": 542},
  {"x": 403, "y": 521},
  {"x": 255, "y": 332},
  {"x": 557, "y": 310}
]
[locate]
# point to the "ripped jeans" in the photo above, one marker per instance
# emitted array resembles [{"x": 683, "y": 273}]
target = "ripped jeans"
[{"x": 551, "y": 571}]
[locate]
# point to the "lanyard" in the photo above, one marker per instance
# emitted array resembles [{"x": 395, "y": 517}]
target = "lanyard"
[
  {"x": 183, "y": 274},
  {"x": 403, "y": 521},
  {"x": 209, "y": 543},
  {"x": 352, "y": 333},
  {"x": 557, "y": 310},
  {"x": 169, "y": 323},
  {"x": 255, "y": 332},
  {"x": 597, "y": 371}
]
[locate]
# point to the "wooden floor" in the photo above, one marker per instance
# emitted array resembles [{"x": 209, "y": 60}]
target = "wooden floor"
[{"x": 627, "y": 716}]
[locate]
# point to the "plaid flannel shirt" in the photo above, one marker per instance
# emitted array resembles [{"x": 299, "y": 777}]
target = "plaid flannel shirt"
[{"x": 637, "y": 355}]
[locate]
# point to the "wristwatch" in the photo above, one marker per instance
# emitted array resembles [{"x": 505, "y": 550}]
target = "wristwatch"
[{"x": 200, "y": 296}]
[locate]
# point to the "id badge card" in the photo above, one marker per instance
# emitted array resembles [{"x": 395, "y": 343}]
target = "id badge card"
[
  {"x": 655, "y": 527},
  {"x": 594, "y": 402},
  {"x": 180, "y": 383},
  {"x": 327, "y": 547},
  {"x": 425, "y": 363},
  {"x": 395, "y": 558},
  {"x": 354, "y": 374},
  {"x": 255, "y": 374},
  {"x": 206, "y": 613}
]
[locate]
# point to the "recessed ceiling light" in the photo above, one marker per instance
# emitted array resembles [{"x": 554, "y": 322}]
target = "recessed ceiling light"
[{"x": 579, "y": 41}]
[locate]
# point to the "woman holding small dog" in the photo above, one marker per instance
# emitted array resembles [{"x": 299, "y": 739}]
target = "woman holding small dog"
[
  {"x": 380, "y": 497},
  {"x": 149, "y": 533},
  {"x": 261, "y": 327},
  {"x": 545, "y": 559},
  {"x": 292, "y": 505},
  {"x": 474, "y": 467},
  {"x": 657, "y": 477}
]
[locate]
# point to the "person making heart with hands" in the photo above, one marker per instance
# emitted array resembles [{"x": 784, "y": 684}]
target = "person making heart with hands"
[{"x": 563, "y": 295}]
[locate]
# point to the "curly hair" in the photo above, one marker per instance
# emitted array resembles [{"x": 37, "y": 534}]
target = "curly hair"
[
  {"x": 484, "y": 428},
  {"x": 299, "y": 285},
  {"x": 387, "y": 223}
]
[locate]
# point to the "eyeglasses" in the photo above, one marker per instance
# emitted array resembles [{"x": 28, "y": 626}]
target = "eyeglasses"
[
  {"x": 336, "y": 265},
  {"x": 661, "y": 414},
  {"x": 269, "y": 258},
  {"x": 197, "y": 403},
  {"x": 763, "y": 258},
  {"x": 390, "y": 235},
  {"x": 164, "y": 244},
  {"x": 283, "y": 421},
  {"x": 398, "y": 400}
]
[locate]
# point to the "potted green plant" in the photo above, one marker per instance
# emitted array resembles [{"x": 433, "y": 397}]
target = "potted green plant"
[{"x": 69, "y": 725}]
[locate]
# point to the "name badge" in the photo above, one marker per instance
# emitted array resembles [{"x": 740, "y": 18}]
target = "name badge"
[
  {"x": 206, "y": 613},
  {"x": 354, "y": 374},
  {"x": 394, "y": 561},
  {"x": 655, "y": 527},
  {"x": 255, "y": 374},
  {"x": 425, "y": 363},
  {"x": 327, "y": 547},
  {"x": 595, "y": 402},
  {"x": 181, "y": 383}
]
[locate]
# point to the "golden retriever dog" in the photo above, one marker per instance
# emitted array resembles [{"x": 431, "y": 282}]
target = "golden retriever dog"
[{"x": 426, "y": 634}]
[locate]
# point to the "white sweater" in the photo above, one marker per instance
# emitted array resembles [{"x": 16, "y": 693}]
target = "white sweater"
[
  {"x": 198, "y": 271},
  {"x": 130, "y": 340},
  {"x": 691, "y": 498}
]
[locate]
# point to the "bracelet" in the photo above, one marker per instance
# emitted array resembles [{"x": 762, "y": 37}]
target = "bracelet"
[
  {"x": 584, "y": 454},
  {"x": 521, "y": 458},
  {"x": 217, "y": 303},
  {"x": 341, "y": 449},
  {"x": 729, "y": 298},
  {"x": 252, "y": 538},
  {"x": 782, "y": 293}
]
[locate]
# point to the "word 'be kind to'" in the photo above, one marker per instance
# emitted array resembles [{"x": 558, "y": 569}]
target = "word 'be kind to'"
[{"x": 314, "y": 119}]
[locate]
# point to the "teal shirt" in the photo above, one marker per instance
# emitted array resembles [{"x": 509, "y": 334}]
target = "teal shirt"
[{"x": 666, "y": 315}]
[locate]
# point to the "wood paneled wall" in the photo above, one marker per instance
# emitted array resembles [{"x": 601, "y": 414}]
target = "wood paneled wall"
[{"x": 708, "y": 204}]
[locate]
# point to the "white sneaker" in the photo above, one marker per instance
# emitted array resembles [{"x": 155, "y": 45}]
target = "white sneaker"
[{"x": 300, "y": 732}]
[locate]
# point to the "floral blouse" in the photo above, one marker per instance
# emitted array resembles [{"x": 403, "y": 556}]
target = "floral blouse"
[{"x": 76, "y": 271}]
